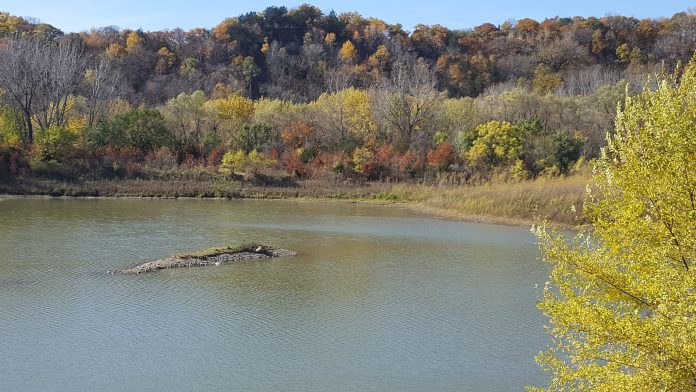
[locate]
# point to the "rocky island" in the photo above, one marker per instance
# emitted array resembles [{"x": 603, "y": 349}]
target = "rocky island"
[{"x": 208, "y": 257}]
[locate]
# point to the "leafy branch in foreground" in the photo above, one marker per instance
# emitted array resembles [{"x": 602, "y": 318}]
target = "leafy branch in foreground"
[{"x": 622, "y": 298}]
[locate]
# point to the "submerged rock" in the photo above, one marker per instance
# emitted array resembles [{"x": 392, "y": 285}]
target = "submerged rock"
[{"x": 216, "y": 256}]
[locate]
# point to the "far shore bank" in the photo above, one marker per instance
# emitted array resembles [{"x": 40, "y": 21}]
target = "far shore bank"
[{"x": 557, "y": 201}]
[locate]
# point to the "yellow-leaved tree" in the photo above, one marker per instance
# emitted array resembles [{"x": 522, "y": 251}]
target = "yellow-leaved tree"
[{"x": 622, "y": 296}]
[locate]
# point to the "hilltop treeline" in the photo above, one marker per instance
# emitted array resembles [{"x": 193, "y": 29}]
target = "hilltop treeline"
[{"x": 324, "y": 94}]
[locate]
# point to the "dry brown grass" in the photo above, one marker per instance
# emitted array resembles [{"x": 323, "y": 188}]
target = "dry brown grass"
[{"x": 513, "y": 202}]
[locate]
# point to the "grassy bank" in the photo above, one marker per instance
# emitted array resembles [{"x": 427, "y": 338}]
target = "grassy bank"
[
  {"x": 508, "y": 203},
  {"x": 558, "y": 200},
  {"x": 196, "y": 188}
]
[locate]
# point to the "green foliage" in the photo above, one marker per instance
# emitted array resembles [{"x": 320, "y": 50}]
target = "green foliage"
[
  {"x": 210, "y": 140},
  {"x": 142, "y": 128},
  {"x": 566, "y": 77},
  {"x": 309, "y": 153},
  {"x": 254, "y": 137},
  {"x": 185, "y": 116},
  {"x": 257, "y": 161},
  {"x": 439, "y": 138},
  {"x": 10, "y": 127},
  {"x": 54, "y": 142},
  {"x": 189, "y": 66},
  {"x": 147, "y": 129},
  {"x": 108, "y": 132},
  {"x": 621, "y": 300},
  {"x": 566, "y": 151},
  {"x": 545, "y": 81},
  {"x": 543, "y": 149},
  {"x": 250, "y": 71}
]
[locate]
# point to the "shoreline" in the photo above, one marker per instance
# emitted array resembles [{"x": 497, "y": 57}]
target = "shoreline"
[{"x": 512, "y": 208}]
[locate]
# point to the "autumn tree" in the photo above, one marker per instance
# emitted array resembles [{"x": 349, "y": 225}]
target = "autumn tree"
[
  {"x": 545, "y": 81},
  {"x": 348, "y": 52},
  {"x": 102, "y": 86},
  {"x": 185, "y": 115},
  {"x": 227, "y": 115},
  {"x": 250, "y": 71},
  {"x": 38, "y": 77},
  {"x": 621, "y": 300},
  {"x": 133, "y": 41},
  {"x": 408, "y": 101},
  {"x": 344, "y": 114},
  {"x": 496, "y": 144}
]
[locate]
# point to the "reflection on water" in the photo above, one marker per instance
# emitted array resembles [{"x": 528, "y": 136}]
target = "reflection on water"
[{"x": 380, "y": 299}]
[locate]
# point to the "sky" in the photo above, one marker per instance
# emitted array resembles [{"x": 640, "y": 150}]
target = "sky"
[{"x": 150, "y": 15}]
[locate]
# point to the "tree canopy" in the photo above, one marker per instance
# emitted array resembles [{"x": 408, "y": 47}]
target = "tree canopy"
[{"x": 622, "y": 297}]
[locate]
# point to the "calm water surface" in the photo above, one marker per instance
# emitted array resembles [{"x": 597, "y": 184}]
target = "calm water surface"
[{"x": 380, "y": 299}]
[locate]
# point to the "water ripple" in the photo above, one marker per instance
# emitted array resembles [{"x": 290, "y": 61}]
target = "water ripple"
[{"x": 378, "y": 300}]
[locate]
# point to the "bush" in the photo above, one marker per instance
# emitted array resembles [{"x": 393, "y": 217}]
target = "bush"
[
  {"x": 365, "y": 162},
  {"x": 54, "y": 143},
  {"x": 441, "y": 157},
  {"x": 162, "y": 158},
  {"x": 142, "y": 128},
  {"x": 257, "y": 161},
  {"x": 233, "y": 162},
  {"x": 293, "y": 164},
  {"x": 410, "y": 163},
  {"x": 254, "y": 137},
  {"x": 12, "y": 160}
]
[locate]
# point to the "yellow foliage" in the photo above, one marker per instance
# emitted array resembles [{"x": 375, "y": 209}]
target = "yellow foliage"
[
  {"x": 497, "y": 143},
  {"x": 229, "y": 114},
  {"x": 256, "y": 161},
  {"x": 348, "y": 52},
  {"x": 232, "y": 162},
  {"x": 10, "y": 127},
  {"x": 120, "y": 106},
  {"x": 221, "y": 31},
  {"x": 348, "y": 111},
  {"x": 545, "y": 81},
  {"x": 235, "y": 109},
  {"x": 133, "y": 40},
  {"x": 330, "y": 38},
  {"x": 237, "y": 161},
  {"x": 115, "y": 50},
  {"x": 76, "y": 125},
  {"x": 273, "y": 111},
  {"x": 622, "y": 297},
  {"x": 380, "y": 57}
]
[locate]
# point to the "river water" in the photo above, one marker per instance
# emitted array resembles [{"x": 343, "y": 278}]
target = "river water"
[{"x": 380, "y": 299}]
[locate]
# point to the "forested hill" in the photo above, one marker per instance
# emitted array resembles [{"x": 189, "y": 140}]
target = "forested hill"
[
  {"x": 297, "y": 54},
  {"x": 340, "y": 97}
]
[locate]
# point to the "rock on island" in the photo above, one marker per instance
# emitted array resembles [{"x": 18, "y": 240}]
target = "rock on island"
[{"x": 208, "y": 257}]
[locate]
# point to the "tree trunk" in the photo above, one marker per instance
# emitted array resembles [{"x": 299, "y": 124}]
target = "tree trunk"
[{"x": 30, "y": 127}]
